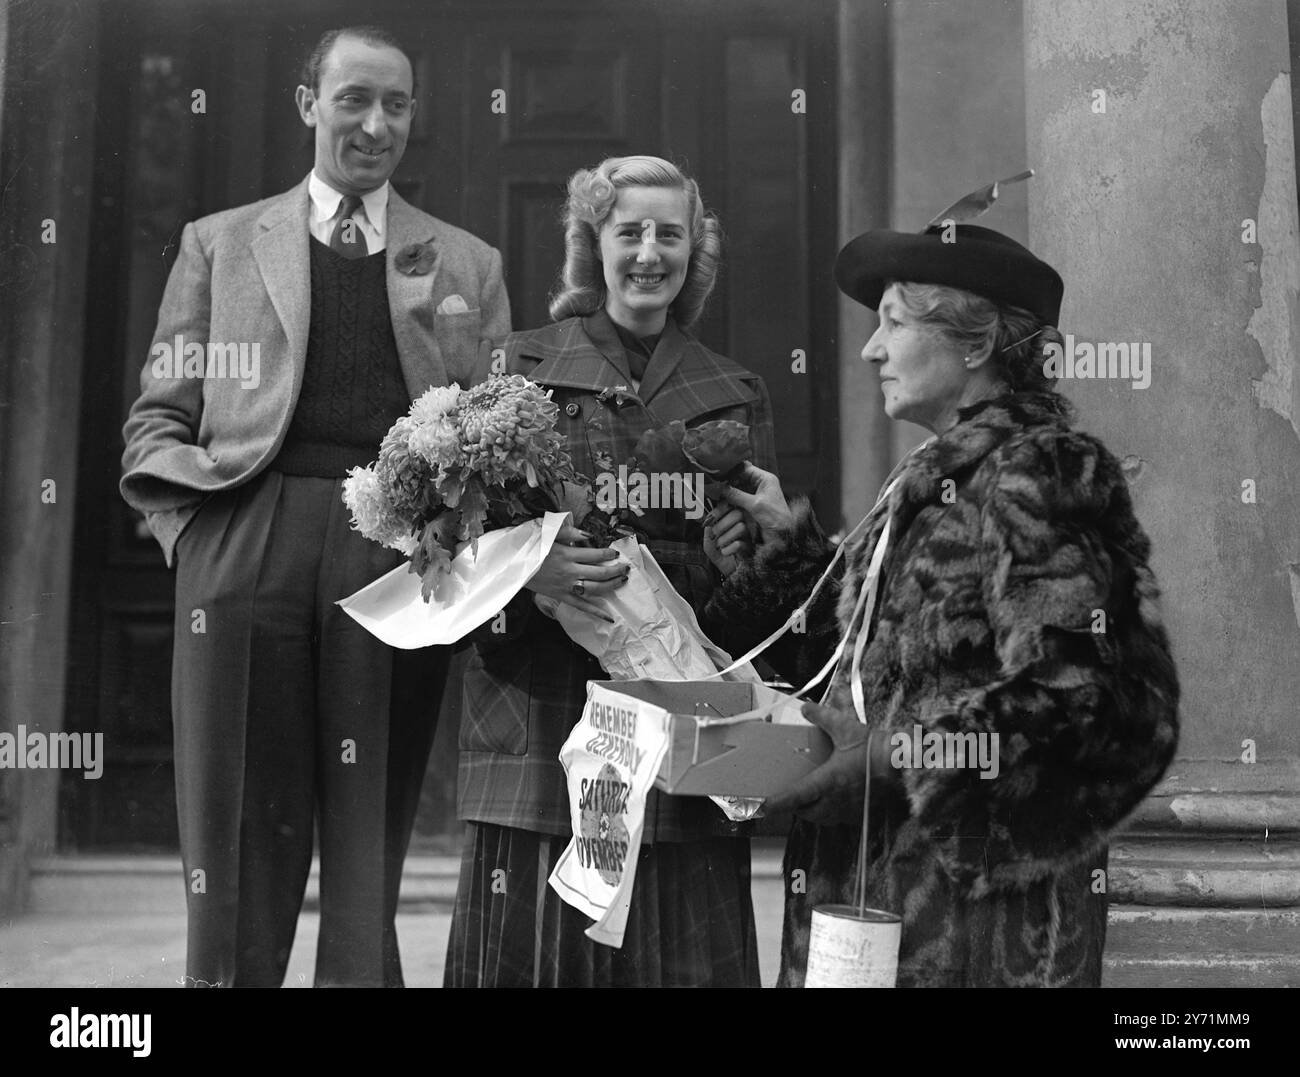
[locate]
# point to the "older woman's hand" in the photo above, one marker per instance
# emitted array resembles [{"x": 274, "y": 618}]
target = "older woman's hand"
[
  {"x": 727, "y": 538},
  {"x": 573, "y": 572},
  {"x": 766, "y": 506},
  {"x": 833, "y": 792}
]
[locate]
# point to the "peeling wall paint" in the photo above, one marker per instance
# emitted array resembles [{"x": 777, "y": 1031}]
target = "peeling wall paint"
[
  {"x": 1273, "y": 323},
  {"x": 1293, "y": 570}
]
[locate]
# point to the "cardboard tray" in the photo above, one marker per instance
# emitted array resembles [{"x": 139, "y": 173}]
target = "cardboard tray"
[{"x": 709, "y": 756}]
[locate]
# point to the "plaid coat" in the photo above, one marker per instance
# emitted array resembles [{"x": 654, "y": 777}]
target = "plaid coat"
[{"x": 525, "y": 687}]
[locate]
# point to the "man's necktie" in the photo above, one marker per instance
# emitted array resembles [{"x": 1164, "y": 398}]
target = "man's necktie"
[{"x": 347, "y": 239}]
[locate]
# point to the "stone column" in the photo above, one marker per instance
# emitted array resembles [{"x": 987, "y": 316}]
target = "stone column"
[
  {"x": 1166, "y": 197},
  {"x": 865, "y": 106}
]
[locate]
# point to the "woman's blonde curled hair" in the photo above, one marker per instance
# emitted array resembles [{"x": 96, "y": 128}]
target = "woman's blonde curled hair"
[{"x": 592, "y": 193}]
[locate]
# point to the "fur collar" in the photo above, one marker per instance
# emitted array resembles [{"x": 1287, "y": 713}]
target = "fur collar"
[{"x": 981, "y": 429}]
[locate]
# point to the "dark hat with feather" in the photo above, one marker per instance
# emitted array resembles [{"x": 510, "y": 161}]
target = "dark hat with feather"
[{"x": 959, "y": 255}]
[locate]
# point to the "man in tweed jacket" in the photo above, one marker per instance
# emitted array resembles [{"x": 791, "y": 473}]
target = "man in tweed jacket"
[{"x": 287, "y": 716}]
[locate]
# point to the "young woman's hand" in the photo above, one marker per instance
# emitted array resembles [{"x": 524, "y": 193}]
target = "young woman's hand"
[
  {"x": 573, "y": 572},
  {"x": 766, "y": 506}
]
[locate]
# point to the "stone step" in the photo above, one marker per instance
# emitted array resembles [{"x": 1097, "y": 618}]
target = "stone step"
[
  {"x": 1208, "y": 971},
  {"x": 75, "y": 885},
  {"x": 81, "y": 884},
  {"x": 1146, "y": 945},
  {"x": 1200, "y": 947}
]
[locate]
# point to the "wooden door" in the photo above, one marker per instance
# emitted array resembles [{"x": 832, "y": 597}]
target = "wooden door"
[{"x": 738, "y": 92}]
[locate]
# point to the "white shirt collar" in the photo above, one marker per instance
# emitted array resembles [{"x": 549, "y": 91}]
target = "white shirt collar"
[{"x": 325, "y": 202}]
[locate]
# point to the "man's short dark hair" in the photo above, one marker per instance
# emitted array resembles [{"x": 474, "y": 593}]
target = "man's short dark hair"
[{"x": 371, "y": 35}]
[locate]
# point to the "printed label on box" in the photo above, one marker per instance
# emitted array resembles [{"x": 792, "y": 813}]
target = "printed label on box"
[{"x": 610, "y": 759}]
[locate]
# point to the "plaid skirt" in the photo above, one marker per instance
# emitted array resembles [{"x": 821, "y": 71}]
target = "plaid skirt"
[{"x": 691, "y": 922}]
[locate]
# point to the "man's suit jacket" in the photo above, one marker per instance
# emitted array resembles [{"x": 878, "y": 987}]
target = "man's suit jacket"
[{"x": 244, "y": 277}]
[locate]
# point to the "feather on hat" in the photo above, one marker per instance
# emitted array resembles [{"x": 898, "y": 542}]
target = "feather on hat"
[{"x": 959, "y": 255}]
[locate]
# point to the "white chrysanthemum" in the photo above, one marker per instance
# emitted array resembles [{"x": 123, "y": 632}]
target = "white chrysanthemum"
[
  {"x": 372, "y": 510},
  {"x": 435, "y": 404},
  {"x": 457, "y": 450},
  {"x": 438, "y": 442}
]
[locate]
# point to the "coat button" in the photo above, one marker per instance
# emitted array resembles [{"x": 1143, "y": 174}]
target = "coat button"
[{"x": 572, "y": 410}]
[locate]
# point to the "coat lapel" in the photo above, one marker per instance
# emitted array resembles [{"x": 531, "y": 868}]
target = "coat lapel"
[
  {"x": 282, "y": 253},
  {"x": 410, "y": 298},
  {"x": 686, "y": 380},
  {"x": 665, "y": 361},
  {"x": 601, "y": 334},
  {"x": 575, "y": 362}
]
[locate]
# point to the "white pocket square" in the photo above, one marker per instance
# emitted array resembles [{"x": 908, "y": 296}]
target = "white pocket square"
[{"x": 453, "y": 304}]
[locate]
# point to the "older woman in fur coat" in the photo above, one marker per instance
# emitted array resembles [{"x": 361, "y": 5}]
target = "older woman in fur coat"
[{"x": 1015, "y": 602}]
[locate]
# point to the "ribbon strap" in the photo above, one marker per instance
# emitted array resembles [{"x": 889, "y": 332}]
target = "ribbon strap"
[
  {"x": 865, "y": 605},
  {"x": 802, "y": 608},
  {"x": 871, "y": 588}
]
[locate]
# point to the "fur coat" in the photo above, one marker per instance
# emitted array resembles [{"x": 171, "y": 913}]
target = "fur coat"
[{"x": 1016, "y": 599}]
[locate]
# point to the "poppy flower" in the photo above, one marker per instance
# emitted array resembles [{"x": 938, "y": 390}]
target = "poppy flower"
[
  {"x": 415, "y": 259},
  {"x": 659, "y": 451},
  {"x": 718, "y": 448}
]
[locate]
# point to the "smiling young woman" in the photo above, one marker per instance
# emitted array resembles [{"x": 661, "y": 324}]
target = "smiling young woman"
[
  {"x": 641, "y": 258},
  {"x": 645, "y": 249}
]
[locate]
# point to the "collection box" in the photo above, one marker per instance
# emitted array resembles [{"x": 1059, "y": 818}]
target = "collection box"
[{"x": 711, "y": 753}]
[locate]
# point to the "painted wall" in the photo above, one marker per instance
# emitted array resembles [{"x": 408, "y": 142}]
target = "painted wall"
[
  {"x": 1141, "y": 208},
  {"x": 959, "y": 108},
  {"x": 932, "y": 106},
  {"x": 959, "y": 118}
]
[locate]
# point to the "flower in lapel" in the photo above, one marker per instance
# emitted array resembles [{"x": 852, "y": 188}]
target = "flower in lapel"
[{"x": 415, "y": 259}]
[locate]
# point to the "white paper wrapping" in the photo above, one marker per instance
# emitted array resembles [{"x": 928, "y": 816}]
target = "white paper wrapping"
[
  {"x": 655, "y": 635},
  {"x": 476, "y": 590}
]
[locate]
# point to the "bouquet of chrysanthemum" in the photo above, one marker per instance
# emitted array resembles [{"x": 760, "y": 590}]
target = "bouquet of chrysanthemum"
[
  {"x": 461, "y": 463},
  {"x": 487, "y": 463}
]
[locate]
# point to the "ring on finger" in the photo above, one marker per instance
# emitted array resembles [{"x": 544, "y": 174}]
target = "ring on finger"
[{"x": 580, "y": 588}]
